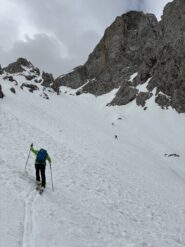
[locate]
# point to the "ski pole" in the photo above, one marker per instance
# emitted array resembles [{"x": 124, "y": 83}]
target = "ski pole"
[
  {"x": 51, "y": 178},
  {"x": 28, "y": 158}
]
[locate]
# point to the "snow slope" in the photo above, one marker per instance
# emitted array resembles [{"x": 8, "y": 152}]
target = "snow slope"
[{"x": 108, "y": 192}]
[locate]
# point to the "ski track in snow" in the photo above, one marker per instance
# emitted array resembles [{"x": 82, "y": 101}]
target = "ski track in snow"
[
  {"x": 114, "y": 195},
  {"x": 28, "y": 238}
]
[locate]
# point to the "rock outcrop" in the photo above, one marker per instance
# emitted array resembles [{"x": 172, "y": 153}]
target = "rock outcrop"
[
  {"x": 12, "y": 89},
  {"x": 137, "y": 42},
  {"x": 1, "y": 93},
  {"x": 48, "y": 79},
  {"x": 168, "y": 75},
  {"x": 49, "y": 82},
  {"x": 31, "y": 74},
  {"x": 31, "y": 87},
  {"x": 18, "y": 66},
  {"x": 1, "y": 70},
  {"x": 117, "y": 56}
]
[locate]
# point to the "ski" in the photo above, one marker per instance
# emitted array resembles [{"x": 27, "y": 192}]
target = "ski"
[
  {"x": 37, "y": 187},
  {"x": 41, "y": 190}
]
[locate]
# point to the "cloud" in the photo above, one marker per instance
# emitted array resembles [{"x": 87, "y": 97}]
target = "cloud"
[
  {"x": 48, "y": 53},
  {"x": 58, "y": 35},
  {"x": 155, "y": 7},
  {"x": 9, "y": 33},
  {"x": 42, "y": 50}
]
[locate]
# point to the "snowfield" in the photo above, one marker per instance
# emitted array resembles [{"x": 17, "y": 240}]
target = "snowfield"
[{"x": 109, "y": 192}]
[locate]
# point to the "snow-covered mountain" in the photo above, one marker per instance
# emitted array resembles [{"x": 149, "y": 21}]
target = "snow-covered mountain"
[
  {"x": 119, "y": 171},
  {"x": 134, "y": 44},
  {"x": 23, "y": 74},
  {"x": 124, "y": 191},
  {"x": 137, "y": 43}
]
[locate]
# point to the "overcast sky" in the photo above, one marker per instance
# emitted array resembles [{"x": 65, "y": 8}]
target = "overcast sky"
[{"x": 57, "y": 35}]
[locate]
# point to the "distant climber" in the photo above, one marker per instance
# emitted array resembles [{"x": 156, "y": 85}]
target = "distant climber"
[
  {"x": 40, "y": 165},
  {"x": 116, "y": 137}
]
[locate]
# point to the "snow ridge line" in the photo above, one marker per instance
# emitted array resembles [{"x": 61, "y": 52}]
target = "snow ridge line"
[{"x": 28, "y": 238}]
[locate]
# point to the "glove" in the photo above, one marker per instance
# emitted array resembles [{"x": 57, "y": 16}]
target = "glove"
[{"x": 31, "y": 145}]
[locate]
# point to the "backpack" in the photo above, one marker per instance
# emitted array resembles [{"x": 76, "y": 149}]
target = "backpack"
[{"x": 41, "y": 156}]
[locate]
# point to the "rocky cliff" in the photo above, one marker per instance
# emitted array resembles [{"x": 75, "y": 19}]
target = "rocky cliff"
[
  {"x": 117, "y": 56},
  {"x": 22, "y": 65},
  {"x": 168, "y": 74},
  {"x": 137, "y": 42},
  {"x": 24, "y": 75},
  {"x": 1, "y": 93}
]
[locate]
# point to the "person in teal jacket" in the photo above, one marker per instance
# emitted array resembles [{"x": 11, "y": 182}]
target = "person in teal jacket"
[{"x": 40, "y": 165}]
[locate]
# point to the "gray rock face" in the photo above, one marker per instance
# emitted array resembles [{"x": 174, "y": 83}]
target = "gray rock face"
[
  {"x": 168, "y": 70},
  {"x": 125, "y": 95},
  {"x": 137, "y": 42},
  {"x": 10, "y": 78},
  {"x": 30, "y": 77},
  {"x": 74, "y": 79},
  {"x": 142, "y": 97},
  {"x": 163, "y": 100},
  {"x": 168, "y": 75},
  {"x": 12, "y": 89},
  {"x": 31, "y": 73},
  {"x": 31, "y": 87},
  {"x": 1, "y": 70},
  {"x": 1, "y": 93},
  {"x": 117, "y": 56},
  {"x": 48, "y": 79},
  {"x": 18, "y": 66}
]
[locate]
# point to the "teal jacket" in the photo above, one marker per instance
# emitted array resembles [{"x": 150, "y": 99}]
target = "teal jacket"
[{"x": 36, "y": 152}]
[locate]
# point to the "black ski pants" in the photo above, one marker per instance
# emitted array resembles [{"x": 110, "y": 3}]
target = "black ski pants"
[{"x": 40, "y": 170}]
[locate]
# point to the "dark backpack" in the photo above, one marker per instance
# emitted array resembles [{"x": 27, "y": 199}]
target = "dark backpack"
[{"x": 41, "y": 156}]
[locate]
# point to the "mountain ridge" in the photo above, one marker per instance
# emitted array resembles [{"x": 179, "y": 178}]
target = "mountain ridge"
[{"x": 135, "y": 43}]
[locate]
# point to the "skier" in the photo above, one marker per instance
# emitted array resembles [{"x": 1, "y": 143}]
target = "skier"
[{"x": 40, "y": 165}]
